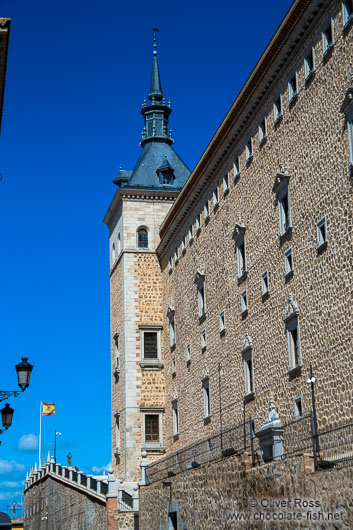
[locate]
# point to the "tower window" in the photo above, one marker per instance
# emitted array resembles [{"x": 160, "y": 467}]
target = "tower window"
[
  {"x": 142, "y": 238},
  {"x": 292, "y": 87},
  {"x": 225, "y": 183},
  {"x": 327, "y": 38},
  {"x": 277, "y": 109},
  {"x": 248, "y": 150},
  {"x": 347, "y": 11},
  {"x": 309, "y": 64},
  {"x": 262, "y": 131}
]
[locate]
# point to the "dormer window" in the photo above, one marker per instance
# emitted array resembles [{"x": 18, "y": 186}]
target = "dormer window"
[
  {"x": 142, "y": 238},
  {"x": 166, "y": 173}
]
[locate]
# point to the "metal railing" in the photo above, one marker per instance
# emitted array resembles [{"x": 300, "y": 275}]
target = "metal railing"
[{"x": 330, "y": 448}]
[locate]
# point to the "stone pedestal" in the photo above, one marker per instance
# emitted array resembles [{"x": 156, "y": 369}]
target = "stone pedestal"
[{"x": 271, "y": 441}]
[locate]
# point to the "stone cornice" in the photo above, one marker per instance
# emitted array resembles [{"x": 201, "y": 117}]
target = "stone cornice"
[{"x": 250, "y": 98}]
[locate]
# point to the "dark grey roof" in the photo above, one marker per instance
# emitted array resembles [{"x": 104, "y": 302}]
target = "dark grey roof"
[
  {"x": 152, "y": 158},
  {"x": 123, "y": 176}
]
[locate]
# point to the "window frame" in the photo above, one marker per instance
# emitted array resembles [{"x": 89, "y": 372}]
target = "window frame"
[
  {"x": 215, "y": 196},
  {"x": 206, "y": 398},
  {"x": 225, "y": 183},
  {"x": 191, "y": 233},
  {"x": 203, "y": 340},
  {"x": 346, "y": 15},
  {"x": 241, "y": 257},
  {"x": 172, "y": 336},
  {"x": 175, "y": 412},
  {"x": 188, "y": 353},
  {"x": 249, "y": 149},
  {"x": 321, "y": 240},
  {"x": 236, "y": 166},
  {"x": 265, "y": 285},
  {"x": 201, "y": 298},
  {"x": 285, "y": 218},
  {"x": 150, "y": 445},
  {"x": 308, "y": 72},
  {"x": 262, "y": 131},
  {"x": 222, "y": 322},
  {"x": 170, "y": 263},
  {"x": 248, "y": 373},
  {"x": 145, "y": 229},
  {"x": 288, "y": 266},
  {"x": 198, "y": 223},
  {"x": 326, "y": 44},
  {"x": 297, "y": 415},
  {"x": 244, "y": 302},
  {"x": 294, "y": 349},
  {"x": 176, "y": 254},
  {"x": 145, "y": 361},
  {"x": 292, "y": 87},
  {"x": 183, "y": 243},
  {"x": 277, "y": 109}
]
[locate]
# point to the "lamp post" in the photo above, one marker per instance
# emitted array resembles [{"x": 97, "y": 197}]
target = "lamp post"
[
  {"x": 24, "y": 370},
  {"x": 57, "y": 433},
  {"x": 311, "y": 381}
]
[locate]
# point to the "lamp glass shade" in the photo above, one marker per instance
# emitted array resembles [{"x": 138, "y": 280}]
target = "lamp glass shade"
[
  {"x": 6, "y": 415},
  {"x": 24, "y": 370}
]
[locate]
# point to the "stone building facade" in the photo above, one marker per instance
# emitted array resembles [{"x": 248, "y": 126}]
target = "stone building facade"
[{"x": 248, "y": 281}]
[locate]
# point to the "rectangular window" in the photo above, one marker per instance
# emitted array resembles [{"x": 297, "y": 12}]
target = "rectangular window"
[
  {"x": 321, "y": 232},
  {"x": 116, "y": 347},
  {"x": 298, "y": 408},
  {"x": 248, "y": 149},
  {"x": 262, "y": 131},
  {"x": 198, "y": 222},
  {"x": 327, "y": 37},
  {"x": 206, "y": 398},
  {"x": 176, "y": 255},
  {"x": 206, "y": 210},
  {"x": 264, "y": 283},
  {"x": 152, "y": 429},
  {"x": 350, "y": 139},
  {"x": 241, "y": 257},
  {"x": 293, "y": 345},
  {"x": 188, "y": 353},
  {"x": 175, "y": 418},
  {"x": 288, "y": 262},
  {"x": 225, "y": 183},
  {"x": 203, "y": 340},
  {"x": 172, "y": 331},
  {"x": 309, "y": 64},
  {"x": 183, "y": 243},
  {"x": 191, "y": 233},
  {"x": 248, "y": 373},
  {"x": 284, "y": 211},
  {"x": 236, "y": 166},
  {"x": 347, "y": 11},
  {"x": 215, "y": 198},
  {"x": 201, "y": 298},
  {"x": 244, "y": 302},
  {"x": 222, "y": 326},
  {"x": 292, "y": 87},
  {"x": 117, "y": 433},
  {"x": 277, "y": 109},
  {"x": 170, "y": 263},
  {"x": 150, "y": 347}
]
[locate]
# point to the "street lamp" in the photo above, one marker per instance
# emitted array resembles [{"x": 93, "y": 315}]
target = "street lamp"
[
  {"x": 24, "y": 370},
  {"x": 57, "y": 433},
  {"x": 6, "y": 417},
  {"x": 311, "y": 381}
]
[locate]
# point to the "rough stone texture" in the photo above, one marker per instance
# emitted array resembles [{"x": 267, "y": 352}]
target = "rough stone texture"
[
  {"x": 210, "y": 496},
  {"x": 66, "y": 507},
  {"x": 312, "y": 138}
]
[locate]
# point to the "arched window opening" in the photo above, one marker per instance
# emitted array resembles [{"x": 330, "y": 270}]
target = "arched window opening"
[{"x": 142, "y": 238}]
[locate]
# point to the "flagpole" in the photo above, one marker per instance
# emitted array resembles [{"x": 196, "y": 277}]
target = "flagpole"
[{"x": 40, "y": 430}]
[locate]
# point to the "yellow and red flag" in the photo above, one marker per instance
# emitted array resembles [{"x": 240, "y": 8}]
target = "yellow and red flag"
[{"x": 48, "y": 409}]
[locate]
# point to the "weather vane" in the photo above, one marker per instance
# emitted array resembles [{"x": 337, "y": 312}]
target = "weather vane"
[{"x": 155, "y": 30}]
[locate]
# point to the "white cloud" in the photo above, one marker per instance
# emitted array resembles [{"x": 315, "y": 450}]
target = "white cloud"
[
  {"x": 11, "y": 484},
  {"x": 9, "y": 495},
  {"x": 28, "y": 442},
  {"x": 8, "y": 466},
  {"x": 101, "y": 469}
]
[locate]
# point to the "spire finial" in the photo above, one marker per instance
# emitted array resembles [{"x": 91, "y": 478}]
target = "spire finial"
[{"x": 155, "y": 31}]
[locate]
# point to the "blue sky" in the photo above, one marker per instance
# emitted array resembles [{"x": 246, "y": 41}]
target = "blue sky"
[{"x": 77, "y": 75}]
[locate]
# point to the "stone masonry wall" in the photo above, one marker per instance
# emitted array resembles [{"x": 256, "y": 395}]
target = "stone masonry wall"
[
  {"x": 312, "y": 138},
  {"x": 214, "y": 495},
  {"x": 54, "y": 504}
]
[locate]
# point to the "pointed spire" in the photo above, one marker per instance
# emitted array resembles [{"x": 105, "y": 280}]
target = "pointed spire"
[
  {"x": 156, "y": 87},
  {"x": 48, "y": 458}
]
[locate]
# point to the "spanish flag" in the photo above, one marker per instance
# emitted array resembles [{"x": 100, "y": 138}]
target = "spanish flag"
[{"x": 48, "y": 409}]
